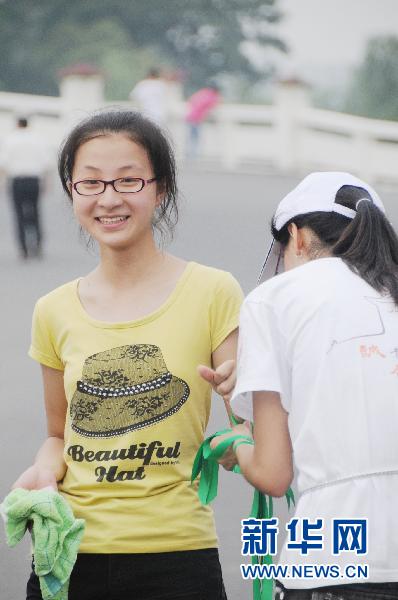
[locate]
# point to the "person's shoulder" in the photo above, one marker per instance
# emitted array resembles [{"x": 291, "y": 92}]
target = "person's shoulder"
[
  {"x": 215, "y": 285},
  {"x": 10, "y": 138},
  {"x": 284, "y": 283},
  {"x": 24, "y": 137},
  {"x": 267, "y": 290},
  {"x": 321, "y": 276},
  {"x": 212, "y": 276},
  {"x": 314, "y": 280},
  {"x": 58, "y": 296}
]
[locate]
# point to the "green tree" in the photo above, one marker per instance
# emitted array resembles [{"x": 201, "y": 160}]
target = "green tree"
[
  {"x": 202, "y": 38},
  {"x": 374, "y": 90},
  {"x": 106, "y": 44}
]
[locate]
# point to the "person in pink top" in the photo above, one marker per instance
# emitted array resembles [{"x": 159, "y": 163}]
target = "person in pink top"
[{"x": 199, "y": 105}]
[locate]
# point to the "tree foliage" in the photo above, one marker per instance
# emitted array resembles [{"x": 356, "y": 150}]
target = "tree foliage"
[
  {"x": 374, "y": 91},
  {"x": 202, "y": 38}
]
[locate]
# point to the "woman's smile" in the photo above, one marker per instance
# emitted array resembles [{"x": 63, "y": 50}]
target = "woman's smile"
[{"x": 114, "y": 222}]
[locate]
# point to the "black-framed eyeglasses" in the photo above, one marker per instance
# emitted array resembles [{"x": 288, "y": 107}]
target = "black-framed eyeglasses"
[{"x": 124, "y": 185}]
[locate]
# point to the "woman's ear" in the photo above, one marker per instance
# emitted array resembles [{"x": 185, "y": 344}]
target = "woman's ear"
[
  {"x": 159, "y": 200},
  {"x": 299, "y": 239},
  {"x": 160, "y": 193}
]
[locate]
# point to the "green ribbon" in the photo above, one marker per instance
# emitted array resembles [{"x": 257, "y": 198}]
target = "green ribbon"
[
  {"x": 206, "y": 465},
  {"x": 234, "y": 420}
]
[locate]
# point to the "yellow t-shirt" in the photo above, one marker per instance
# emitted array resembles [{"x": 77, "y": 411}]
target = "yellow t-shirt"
[{"x": 137, "y": 411}]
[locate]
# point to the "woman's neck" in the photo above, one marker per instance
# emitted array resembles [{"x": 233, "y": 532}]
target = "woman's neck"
[{"x": 120, "y": 268}]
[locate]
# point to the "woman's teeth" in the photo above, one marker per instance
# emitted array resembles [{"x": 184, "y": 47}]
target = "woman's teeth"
[{"x": 110, "y": 220}]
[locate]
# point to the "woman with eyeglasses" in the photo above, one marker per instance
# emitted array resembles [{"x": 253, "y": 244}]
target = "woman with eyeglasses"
[
  {"x": 318, "y": 376},
  {"x": 119, "y": 349}
]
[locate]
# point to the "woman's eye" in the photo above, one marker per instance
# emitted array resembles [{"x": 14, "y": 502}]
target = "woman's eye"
[
  {"x": 90, "y": 182},
  {"x": 128, "y": 184}
]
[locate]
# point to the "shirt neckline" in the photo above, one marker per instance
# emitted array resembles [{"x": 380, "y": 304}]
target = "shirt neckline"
[{"x": 136, "y": 322}]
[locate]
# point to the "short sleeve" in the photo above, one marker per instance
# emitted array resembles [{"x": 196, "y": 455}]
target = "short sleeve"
[
  {"x": 224, "y": 310},
  {"x": 42, "y": 346},
  {"x": 262, "y": 363}
]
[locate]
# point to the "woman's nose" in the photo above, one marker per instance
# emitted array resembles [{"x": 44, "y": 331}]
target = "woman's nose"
[{"x": 110, "y": 197}]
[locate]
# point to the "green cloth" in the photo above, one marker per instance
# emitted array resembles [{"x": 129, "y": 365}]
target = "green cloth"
[
  {"x": 206, "y": 465},
  {"x": 56, "y": 535}
]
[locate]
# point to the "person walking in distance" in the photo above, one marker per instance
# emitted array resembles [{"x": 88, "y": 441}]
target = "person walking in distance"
[
  {"x": 199, "y": 105},
  {"x": 150, "y": 95},
  {"x": 25, "y": 161}
]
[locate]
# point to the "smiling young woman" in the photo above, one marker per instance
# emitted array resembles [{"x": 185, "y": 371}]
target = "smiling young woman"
[{"x": 119, "y": 349}]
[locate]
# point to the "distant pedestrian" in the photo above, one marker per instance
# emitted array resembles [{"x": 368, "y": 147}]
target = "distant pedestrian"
[
  {"x": 25, "y": 161},
  {"x": 199, "y": 105},
  {"x": 150, "y": 95}
]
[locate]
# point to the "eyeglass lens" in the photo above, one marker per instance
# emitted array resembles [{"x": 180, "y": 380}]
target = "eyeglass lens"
[{"x": 90, "y": 187}]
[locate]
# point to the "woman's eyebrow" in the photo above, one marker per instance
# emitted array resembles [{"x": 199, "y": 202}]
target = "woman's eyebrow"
[
  {"x": 124, "y": 168},
  {"x": 132, "y": 166},
  {"x": 91, "y": 168}
]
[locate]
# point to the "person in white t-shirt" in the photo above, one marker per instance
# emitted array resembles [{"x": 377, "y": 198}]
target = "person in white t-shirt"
[
  {"x": 318, "y": 376},
  {"x": 25, "y": 160},
  {"x": 150, "y": 95}
]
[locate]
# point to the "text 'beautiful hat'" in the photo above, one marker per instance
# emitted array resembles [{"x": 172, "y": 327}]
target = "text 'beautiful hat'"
[{"x": 316, "y": 193}]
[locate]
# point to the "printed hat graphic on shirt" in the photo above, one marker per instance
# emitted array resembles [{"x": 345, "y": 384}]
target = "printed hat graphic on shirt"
[
  {"x": 124, "y": 389},
  {"x": 315, "y": 193}
]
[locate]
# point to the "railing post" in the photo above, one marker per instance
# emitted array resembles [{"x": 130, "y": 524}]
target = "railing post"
[
  {"x": 291, "y": 99},
  {"x": 81, "y": 90}
]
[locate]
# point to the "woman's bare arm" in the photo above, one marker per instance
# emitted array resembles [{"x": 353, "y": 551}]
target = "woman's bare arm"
[
  {"x": 49, "y": 465},
  {"x": 268, "y": 465}
]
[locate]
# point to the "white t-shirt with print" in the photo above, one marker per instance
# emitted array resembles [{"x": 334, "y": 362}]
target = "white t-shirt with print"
[{"x": 328, "y": 343}]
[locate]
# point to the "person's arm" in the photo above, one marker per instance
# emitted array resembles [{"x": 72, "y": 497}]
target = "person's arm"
[
  {"x": 268, "y": 465},
  {"x": 49, "y": 466},
  {"x": 222, "y": 375}
]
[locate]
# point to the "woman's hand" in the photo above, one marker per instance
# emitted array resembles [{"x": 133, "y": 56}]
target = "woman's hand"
[
  {"x": 36, "y": 477},
  {"x": 228, "y": 459},
  {"x": 222, "y": 379}
]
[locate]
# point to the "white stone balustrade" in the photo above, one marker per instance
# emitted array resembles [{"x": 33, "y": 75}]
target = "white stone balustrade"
[{"x": 289, "y": 135}]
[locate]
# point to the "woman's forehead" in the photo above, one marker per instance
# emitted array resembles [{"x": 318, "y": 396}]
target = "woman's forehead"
[{"x": 111, "y": 151}]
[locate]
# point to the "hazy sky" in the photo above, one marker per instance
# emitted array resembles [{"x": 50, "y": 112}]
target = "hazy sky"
[{"x": 333, "y": 33}]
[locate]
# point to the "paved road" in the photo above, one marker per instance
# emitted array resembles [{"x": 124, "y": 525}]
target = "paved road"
[{"x": 224, "y": 223}]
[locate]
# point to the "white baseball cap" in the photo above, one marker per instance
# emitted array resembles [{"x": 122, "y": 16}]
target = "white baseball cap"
[{"x": 316, "y": 193}]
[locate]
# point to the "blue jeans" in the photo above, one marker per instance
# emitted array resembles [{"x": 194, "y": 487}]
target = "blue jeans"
[
  {"x": 187, "y": 575},
  {"x": 193, "y": 140},
  {"x": 360, "y": 591}
]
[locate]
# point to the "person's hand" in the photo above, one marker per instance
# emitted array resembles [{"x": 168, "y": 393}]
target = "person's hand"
[
  {"x": 228, "y": 460},
  {"x": 36, "y": 477},
  {"x": 222, "y": 379}
]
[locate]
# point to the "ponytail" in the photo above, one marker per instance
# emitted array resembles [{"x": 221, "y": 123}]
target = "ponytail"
[
  {"x": 369, "y": 246},
  {"x": 368, "y": 243}
]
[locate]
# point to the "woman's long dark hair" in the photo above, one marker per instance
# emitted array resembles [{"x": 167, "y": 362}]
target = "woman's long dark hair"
[{"x": 368, "y": 244}]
